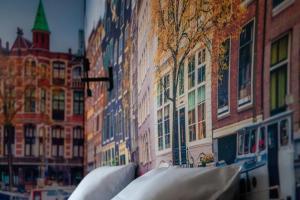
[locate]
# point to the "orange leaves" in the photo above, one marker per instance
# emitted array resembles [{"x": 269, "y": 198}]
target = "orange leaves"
[{"x": 180, "y": 25}]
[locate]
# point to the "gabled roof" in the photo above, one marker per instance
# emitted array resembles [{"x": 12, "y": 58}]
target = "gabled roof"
[
  {"x": 40, "y": 22},
  {"x": 21, "y": 42}
]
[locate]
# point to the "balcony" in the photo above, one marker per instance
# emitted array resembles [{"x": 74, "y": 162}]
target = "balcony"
[{"x": 77, "y": 83}]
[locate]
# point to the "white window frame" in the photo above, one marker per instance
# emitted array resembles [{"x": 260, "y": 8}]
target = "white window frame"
[
  {"x": 220, "y": 111},
  {"x": 241, "y": 101}
]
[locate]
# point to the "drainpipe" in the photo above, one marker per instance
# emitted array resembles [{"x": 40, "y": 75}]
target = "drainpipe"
[{"x": 263, "y": 56}]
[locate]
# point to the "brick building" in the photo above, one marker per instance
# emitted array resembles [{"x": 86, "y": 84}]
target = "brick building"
[
  {"x": 95, "y": 105},
  {"x": 281, "y": 82},
  {"x": 237, "y": 98},
  {"x": 48, "y": 129}
]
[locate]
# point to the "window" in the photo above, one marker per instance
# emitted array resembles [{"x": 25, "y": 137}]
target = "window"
[
  {"x": 262, "y": 139},
  {"x": 181, "y": 80},
  {"x": 43, "y": 100},
  {"x": 58, "y": 73},
  {"x": 278, "y": 77},
  {"x": 245, "y": 64},
  {"x": 78, "y": 142},
  {"x": 223, "y": 80},
  {"x": 201, "y": 112},
  {"x": 58, "y": 105},
  {"x": 160, "y": 130},
  {"x": 76, "y": 73},
  {"x": 27, "y": 68},
  {"x": 30, "y": 68},
  {"x": 191, "y": 116},
  {"x": 30, "y": 100},
  {"x": 284, "y": 137},
  {"x": 42, "y": 140},
  {"x": 196, "y": 97},
  {"x": 276, "y": 3},
  {"x": 78, "y": 102},
  {"x": 191, "y": 72},
  {"x": 253, "y": 141},
  {"x": 57, "y": 141},
  {"x": 163, "y": 119},
  {"x": 43, "y": 71},
  {"x": 247, "y": 139},
  {"x": 166, "y": 80},
  {"x": 30, "y": 141},
  {"x": 167, "y": 126},
  {"x": 9, "y": 135}
]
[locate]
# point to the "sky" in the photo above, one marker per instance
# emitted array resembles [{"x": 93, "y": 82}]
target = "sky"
[
  {"x": 65, "y": 18},
  {"x": 94, "y": 11}
]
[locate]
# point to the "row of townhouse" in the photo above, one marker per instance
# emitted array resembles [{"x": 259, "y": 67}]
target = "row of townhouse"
[
  {"x": 47, "y": 134},
  {"x": 260, "y": 84}
]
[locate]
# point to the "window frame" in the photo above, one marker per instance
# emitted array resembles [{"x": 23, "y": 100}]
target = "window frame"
[
  {"x": 281, "y": 64},
  {"x": 240, "y": 102},
  {"x": 30, "y": 139},
  {"x": 225, "y": 110}
]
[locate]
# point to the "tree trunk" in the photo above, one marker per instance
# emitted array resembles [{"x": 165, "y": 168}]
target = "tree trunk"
[{"x": 175, "y": 142}]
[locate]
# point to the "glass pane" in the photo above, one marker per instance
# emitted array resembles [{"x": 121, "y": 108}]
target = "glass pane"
[
  {"x": 281, "y": 87},
  {"x": 262, "y": 140},
  {"x": 253, "y": 141},
  {"x": 284, "y": 134},
  {"x": 283, "y": 48},
  {"x": 191, "y": 100},
  {"x": 246, "y": 143},
  {"x": 273, "y": 91},
  {"x": 192, "y": 132},
  {"x": 201, "y": 94},
  {"x": 201, "y": 74},
  {"x": 274, "y": 58},
  {"x": 191, "y": 117},
  {"x": 241, "y": 143}
]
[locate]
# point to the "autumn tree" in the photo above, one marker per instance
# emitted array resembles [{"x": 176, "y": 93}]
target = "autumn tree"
[
  {"x": 14, "y": 87},
  {"x": 182, "y": 25}
]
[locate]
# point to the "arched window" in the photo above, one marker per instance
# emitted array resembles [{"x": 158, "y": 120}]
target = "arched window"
[
  {"x": 58, "y": 141},
  {"x": 30, "y": 139},
  {"x": 76, "y": 73},
  {"x": 58, "y": 105},
  {"x": 78, "y": 142},
  {"x": 30, "y": 100},
  {"x": 43, "y": 71}
]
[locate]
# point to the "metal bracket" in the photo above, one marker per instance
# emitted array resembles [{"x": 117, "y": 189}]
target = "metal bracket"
[{"x": 88, "y": 79}]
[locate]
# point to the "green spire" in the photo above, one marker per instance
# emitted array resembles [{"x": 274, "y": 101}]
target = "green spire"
[{"x": 40, "y": 23}]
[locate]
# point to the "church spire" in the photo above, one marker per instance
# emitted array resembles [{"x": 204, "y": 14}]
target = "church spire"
[
  {"x": 40, "y": 23},
  {"x": 40, "y": 30}
]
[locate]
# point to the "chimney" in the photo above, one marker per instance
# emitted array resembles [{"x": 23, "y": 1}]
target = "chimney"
[
  {"x": 70, "y": 51},
  {"x": 7, "y": 46}
]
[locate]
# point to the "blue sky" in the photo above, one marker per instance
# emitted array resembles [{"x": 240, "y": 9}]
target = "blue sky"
[{"x": 65, "y": 18}]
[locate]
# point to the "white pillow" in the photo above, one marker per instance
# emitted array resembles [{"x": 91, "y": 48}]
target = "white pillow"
[
  {"x": 176, "y": 183},
  {"x": 104, "y": 183}
]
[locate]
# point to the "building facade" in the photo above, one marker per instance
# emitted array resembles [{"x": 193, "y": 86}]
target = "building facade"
[
  {"x": 95, "y": 104},
  {"x": 47, "y": 136},
  {"x": 116, "y": 142},
  {"x": 281, "y": 69}
]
